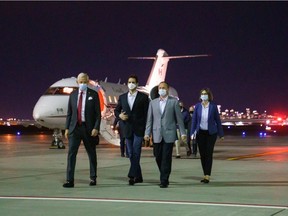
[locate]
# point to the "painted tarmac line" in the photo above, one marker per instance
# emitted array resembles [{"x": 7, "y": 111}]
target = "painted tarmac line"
[
  {"x": 258, "y": 155},
  {"x": 145, "y": 202}
]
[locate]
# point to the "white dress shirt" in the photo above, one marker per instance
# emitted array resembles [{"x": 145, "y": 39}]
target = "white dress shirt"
[
  {"x": 83, "y": 104},
  {"x": 204, "y": 117},
  {"x": 131, "y": 99}
]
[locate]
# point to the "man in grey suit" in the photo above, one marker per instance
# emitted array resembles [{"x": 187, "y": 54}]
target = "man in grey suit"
[
  {"x": 82, "y": 123},
  {"x": 163, "y": 116}
]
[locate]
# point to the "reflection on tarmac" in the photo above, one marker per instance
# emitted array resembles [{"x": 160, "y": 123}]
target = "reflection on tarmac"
[{"x": 249, "y": 177}]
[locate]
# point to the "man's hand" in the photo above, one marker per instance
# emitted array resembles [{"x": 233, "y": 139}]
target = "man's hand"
[
  {"x": 146, "y": 138},
  {"x": 66, "y": 133},
  {"x": 94, "y": 133},
  {"x": 123, "y": 116}
]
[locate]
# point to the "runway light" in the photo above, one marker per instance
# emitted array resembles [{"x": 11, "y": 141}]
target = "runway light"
[
  {"x": 243, "y": 134},
  {"x": 18, "y": 133},
  {"x": 262, "y": 134}
]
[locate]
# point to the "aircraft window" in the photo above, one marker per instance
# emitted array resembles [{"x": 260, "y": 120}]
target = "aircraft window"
[
  {"x": 115, "y": 99},
  {"x": 59, "y": 90}
]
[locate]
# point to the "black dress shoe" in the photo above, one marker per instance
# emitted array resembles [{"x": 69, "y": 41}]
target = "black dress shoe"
[
  {"x": 163, "y": 185},
  {"x": 206, "y": 181},
  {"x": 138, "y": 180},
  {"x": 92, "y": 182},
  {"x": 131, "y": 181},
  {"x": 68, "y": 184},
  {"x": 189, "y": 153}
]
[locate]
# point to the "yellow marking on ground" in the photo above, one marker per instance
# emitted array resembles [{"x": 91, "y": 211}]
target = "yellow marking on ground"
[{"x": 258, "y": 155}]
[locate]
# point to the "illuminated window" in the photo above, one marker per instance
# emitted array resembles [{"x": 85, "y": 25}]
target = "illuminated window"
[{"x": 60, "y": 90}]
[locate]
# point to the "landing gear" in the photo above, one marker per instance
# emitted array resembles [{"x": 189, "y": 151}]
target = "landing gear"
[{"x": 57, "y": 143}]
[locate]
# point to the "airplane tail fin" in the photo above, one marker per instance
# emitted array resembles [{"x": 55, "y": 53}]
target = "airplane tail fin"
[{"x": 159, "y": 68}]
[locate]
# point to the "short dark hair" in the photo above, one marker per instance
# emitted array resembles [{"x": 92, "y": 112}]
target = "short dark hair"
[
  {"x": 133, "y": 76},
  {"x": 164, "y": 83},
  {"x": 209, "y": 93}
]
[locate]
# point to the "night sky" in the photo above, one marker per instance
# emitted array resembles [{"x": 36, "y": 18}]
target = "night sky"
[{"x": 43, "y": 42}]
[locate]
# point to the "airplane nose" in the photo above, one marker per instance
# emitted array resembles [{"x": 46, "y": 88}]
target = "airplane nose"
[
  {"x": 36, "y": 116},
  {"x": 37, "y": 113}
]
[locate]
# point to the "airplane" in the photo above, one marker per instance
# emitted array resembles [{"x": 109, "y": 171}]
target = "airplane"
[{"x": 51, "y": 109}]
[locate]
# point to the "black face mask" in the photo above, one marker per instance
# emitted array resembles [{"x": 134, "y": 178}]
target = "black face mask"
[
  {"x": 191, "y": 112},
  {"x": 181, "y": 107}
]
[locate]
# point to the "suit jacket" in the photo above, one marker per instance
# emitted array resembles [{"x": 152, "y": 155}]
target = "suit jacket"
[
  {"x": 92, "y": 111},
  {"x": 164, "y": 126},
  {"x": 136, "y": 117},
  {"x": 214, "y": 122}
]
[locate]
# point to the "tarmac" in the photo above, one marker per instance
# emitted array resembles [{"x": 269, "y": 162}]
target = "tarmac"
[{"x": 249, "y": 177}]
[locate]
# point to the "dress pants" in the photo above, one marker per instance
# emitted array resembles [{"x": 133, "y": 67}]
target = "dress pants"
[
  {"x": 134, "y": 147},
  {"x": 81, "y": 133},
  {"x": 163, "y": 154},
  {"x": 206, "y": 143},
  {"x": 123, "y": 146}
]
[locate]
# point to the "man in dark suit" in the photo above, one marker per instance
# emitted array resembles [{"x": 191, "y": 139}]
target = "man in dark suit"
[
  {"x": 82, "y": 123},
  {"x": 132, "y": 110}
]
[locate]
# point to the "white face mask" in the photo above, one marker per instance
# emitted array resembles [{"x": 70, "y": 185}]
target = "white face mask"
[
  {"x": 204, "y": 97},
  {"x": 132, "y": 86},
  {"x": 162, "y": 92},
  {"x": 83, "y": 86}
]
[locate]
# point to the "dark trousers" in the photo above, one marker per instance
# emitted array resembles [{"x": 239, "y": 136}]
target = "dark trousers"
[
  {"x": 163, "y": 154},
  {"x": 123, "y": 146},
  {"x": 81, "y": 133},
  {"x": 194, "y": 147},
  {"x": 134, "y": 146},
  {"x": 206, "y": 143}
]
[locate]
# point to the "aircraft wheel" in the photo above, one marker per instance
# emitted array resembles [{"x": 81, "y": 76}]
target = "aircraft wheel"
[
  {"x": 54, "y": 145},
  {"x": 61, "y": 145}
]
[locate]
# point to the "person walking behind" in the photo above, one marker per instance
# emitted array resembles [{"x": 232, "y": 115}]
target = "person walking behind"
[
  {"x": 192, "y": 142},
  {"x": 132, "y": 109},
  {"x": 186, "y": 120},
  {"x": 163, "y": 116},
  {"x": 118, "y": 126},
  {"x": 206, "y": 124}
]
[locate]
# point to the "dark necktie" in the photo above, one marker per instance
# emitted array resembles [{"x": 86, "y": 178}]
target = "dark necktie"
[{"x": 79, "y": 119}]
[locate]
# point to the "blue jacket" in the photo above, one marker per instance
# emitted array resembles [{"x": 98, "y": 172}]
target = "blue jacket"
[{"x": 214, "y": 122}]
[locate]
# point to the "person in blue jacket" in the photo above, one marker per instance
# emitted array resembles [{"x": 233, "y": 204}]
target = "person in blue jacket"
[{"x": 206, "y": 126}]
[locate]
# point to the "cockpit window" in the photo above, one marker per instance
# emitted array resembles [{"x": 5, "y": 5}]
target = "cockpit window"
[{"x": 60, "y": 90}]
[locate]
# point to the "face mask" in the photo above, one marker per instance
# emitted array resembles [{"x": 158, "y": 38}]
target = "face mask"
[
  {"x": 191, "y": 112},
  {"x": 131, "y": 86},
  {"x": 204, "y": 97},
  {"x": 83, "y": 86},
  {"x": 162, "y": 92}
]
